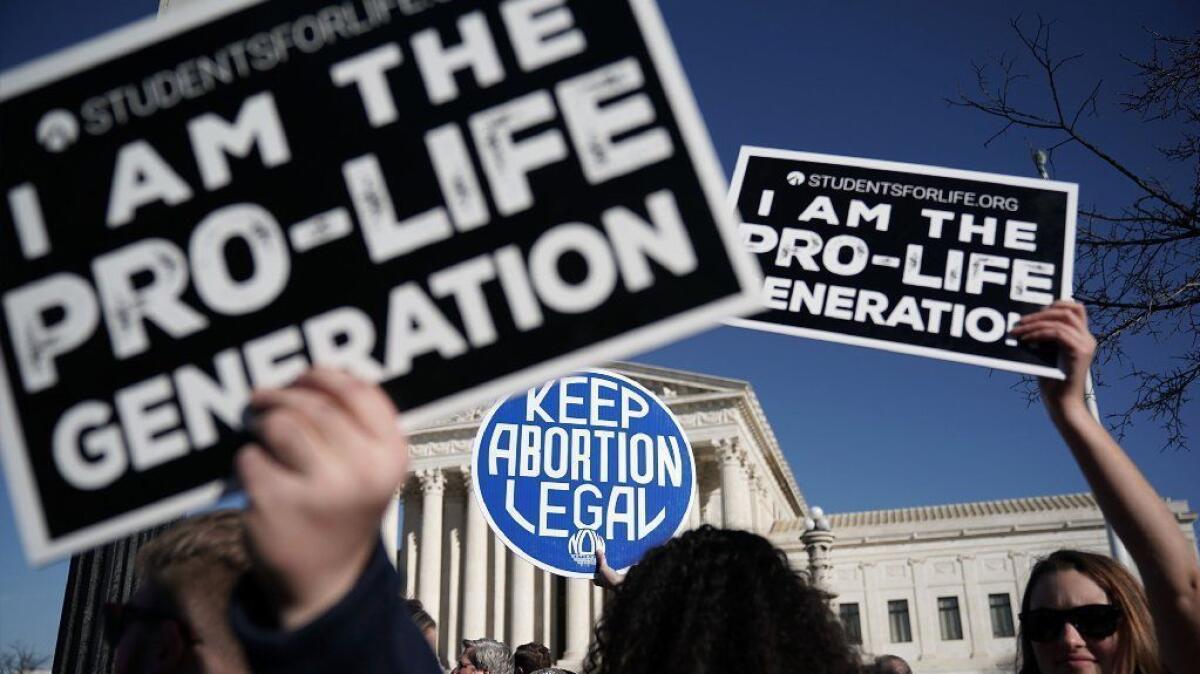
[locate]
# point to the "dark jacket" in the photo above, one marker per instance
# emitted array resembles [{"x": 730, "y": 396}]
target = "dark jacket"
[{"x": 368, "y": 632}]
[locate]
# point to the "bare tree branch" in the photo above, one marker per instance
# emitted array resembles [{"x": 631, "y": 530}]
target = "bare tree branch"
[
  {"x": 1138, "y": 265},
  {"x": 19, "y": 658}
]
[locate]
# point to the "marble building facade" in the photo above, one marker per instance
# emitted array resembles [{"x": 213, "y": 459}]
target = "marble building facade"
[
  {"x": 941, "y": 586},
  {"x": 474, "y": 586},
  {"x": 928, "y": 584}
]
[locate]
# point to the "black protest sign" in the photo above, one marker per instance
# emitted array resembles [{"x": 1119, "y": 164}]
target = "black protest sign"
[
  {"x": 458, "y": 199},
  {"x": 915, "y": 259}
]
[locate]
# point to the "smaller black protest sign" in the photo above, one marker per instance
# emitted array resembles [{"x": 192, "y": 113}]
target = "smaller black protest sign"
[
  {"x": 922, "y": 260},
  {"x": 456, "y": 199}
]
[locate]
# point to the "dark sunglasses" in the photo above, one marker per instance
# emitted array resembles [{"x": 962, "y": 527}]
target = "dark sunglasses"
[
  {"x": 118, "y": 617},
  {"x": 1094, "y": 621}
]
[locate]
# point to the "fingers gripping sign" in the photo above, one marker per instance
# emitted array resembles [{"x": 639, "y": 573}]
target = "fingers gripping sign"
[
  {"x": 605, "y": 576},
  {"x": 330, "y": 458},
  {"x": 1063, "y": 324}
]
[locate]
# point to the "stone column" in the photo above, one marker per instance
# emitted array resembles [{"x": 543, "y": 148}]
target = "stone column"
[
  {"x": 522, "y": 602},
  {"x": 579, "y": 622},
  {"x": 924, "y": 611},
  {"x": 694, "y": 519},
  {"x": 475, "y": 558},
  {"x": 500, "y": 589},
  {"x": 429, "y": 575},
  {"x": 710, "y": 495},
  {"x": 734, "y": 488},
  {"x": 977, "y": 612},
  {"x": 545, "y": 627},
  {"x": 412, "y": 531},
  {"x": 452, "y": 558},
  {"x": 875, "y": 626},
  {"x": 390, "y": 527},
  {"x": 597, "y": 603}
]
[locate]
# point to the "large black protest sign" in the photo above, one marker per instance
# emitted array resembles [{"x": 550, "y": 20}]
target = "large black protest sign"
[
  {"x": 915, "y": 259},
  {"x": 455, "y": 198}
]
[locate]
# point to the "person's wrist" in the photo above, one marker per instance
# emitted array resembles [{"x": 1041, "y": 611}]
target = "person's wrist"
[
  {"x": 318, "y": 592},
  {"x": 1068, "y": 408}
]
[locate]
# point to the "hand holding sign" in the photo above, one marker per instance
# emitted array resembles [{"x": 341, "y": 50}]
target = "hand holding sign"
[
  {"x": 332, "y": 456},
  {"x": 605, "y": 576},
  {"x": 1064, "y": 323}
]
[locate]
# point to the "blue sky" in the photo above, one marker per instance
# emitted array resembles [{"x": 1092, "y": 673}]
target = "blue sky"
[{"x": 862, "y": 429}]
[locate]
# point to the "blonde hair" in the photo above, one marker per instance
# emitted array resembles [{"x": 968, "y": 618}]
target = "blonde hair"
[
  {"x": 215, "y": 538},
  {"x": 196, "y": 564},
  {"x": 1137, "y": 646}
]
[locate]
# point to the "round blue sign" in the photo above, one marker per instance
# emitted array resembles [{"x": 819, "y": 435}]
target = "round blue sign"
[{"x": 590, "y": 461}]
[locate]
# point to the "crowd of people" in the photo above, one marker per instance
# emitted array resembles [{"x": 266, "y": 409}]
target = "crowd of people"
[{"x": 298, "y": 582}]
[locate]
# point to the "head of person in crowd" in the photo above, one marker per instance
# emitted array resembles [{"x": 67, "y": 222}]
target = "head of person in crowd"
[
  {"x": 484, "y": 655},
  {"x": 716, "y": 601},
  {"x": 891, "y": 664},
  {"x": 531, "y": 657},
  {"x": 177, "y": 619},
  {"x": 424, "y": 621},
  {"x": 1083, "y": 613}
]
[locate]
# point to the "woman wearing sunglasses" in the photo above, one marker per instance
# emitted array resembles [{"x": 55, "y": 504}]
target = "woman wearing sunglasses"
[{"x": 1083, "y": 613}]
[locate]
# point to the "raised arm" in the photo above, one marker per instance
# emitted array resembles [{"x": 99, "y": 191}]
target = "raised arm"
[
  {"x": 604, "y": 575},
  {"x": 324, "y": 598},
  {"x": 1139, "y": 516}
]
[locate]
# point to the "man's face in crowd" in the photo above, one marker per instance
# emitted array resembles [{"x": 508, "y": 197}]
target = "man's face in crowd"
[{"x": 149, "y": 637}]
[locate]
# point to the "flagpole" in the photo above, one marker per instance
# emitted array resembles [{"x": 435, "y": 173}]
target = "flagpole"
[{"x": 1116, "y": 547}]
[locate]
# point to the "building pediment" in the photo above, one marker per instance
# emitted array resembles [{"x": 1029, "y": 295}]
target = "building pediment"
[
  {"x": 671, "y": 386},
  {"x": 708, "y": 408}
]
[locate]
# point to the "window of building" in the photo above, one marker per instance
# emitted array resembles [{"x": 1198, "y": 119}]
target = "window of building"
[
  {"x": 851, "y": 622},
  {"x": 949, "y": 618},
  {"x": 898, "y": 623},
  {"x": 1001, "y": 608}
]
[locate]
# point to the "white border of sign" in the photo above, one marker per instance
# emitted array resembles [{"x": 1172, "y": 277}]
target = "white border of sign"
[
  {"x": 509, "y": 544},
  {"x": 1068, "y": 261},
  {"x": 41, "y": 549}
]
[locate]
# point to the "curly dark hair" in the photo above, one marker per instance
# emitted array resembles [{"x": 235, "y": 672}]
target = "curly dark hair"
[{"x": 718, "y": 600}]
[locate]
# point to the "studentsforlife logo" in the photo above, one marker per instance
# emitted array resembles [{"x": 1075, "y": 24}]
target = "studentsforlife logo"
[{"x": 586, "y": 463}]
